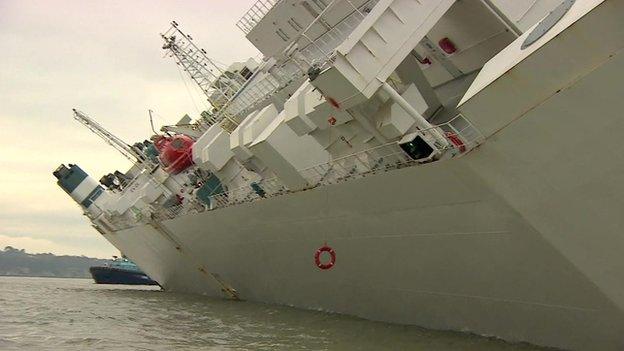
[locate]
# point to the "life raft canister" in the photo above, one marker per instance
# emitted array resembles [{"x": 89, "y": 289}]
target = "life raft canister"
[{"x": 332, "y": 259}]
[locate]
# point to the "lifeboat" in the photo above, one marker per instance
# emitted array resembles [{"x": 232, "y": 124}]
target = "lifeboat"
[{"x": 175, "y": 153}]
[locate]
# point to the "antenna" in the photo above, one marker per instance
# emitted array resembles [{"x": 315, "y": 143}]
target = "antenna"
[
  {"x": 218, "y": 85},
  {"x": 128, "y": 151},
  {"x": 152, "y": 122}
]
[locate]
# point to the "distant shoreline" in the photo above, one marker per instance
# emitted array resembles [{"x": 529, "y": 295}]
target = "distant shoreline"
[{"x": 16, "y": 262}]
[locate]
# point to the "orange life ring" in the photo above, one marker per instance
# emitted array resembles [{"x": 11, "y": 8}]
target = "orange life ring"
[{"x": 317, "y": 257}]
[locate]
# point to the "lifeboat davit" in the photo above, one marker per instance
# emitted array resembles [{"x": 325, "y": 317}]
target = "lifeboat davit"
[{"x": 175, "y": 153}]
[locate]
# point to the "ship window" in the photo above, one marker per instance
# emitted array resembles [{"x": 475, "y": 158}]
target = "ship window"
[
  {"x": 417, "y": 148},
  {"x": 245, "y": 72},
  {"x": 280, "y": 32},
  {"x": 294, "y": 24},
  {"x": 176, "y": 144}
]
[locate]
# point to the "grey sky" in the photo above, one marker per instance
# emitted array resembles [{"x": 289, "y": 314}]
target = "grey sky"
[{"x": 105, "y": 58}]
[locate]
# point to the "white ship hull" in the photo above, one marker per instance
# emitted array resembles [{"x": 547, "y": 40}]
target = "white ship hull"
[{"x": 519, "y": 239}]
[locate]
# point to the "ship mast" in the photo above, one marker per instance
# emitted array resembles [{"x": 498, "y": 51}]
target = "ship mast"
[
  {"x": 128, "y": 151},
  {"x": 218, "y": 85}
]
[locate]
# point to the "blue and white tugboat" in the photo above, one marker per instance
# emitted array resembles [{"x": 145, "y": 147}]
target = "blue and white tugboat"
[{"x": 120, "y": 271}]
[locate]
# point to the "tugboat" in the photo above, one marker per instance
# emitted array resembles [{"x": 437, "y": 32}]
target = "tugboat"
[{"x": 120, "y": 270}]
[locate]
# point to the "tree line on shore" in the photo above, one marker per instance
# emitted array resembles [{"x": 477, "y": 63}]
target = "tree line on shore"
[{"x": 17, "y": 262}]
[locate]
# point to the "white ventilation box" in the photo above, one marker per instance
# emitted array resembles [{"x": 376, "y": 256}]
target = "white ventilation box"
[
  {"x": 212, "y": 150},
  {"x": 237, "y": 142},
  {"x": 294, "y": 111},
  {"x": 284, "y": 152}
]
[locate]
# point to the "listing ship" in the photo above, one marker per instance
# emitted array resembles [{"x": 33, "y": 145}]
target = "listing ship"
[
  {"x": 448, "y": 164},
  {"x": 120, "y": 270}
]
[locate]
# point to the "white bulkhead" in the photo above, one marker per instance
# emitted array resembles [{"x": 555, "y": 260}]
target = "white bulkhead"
[
  {"x": 280, "y": 149},
  {"x": 512, "y": 82},
  {"x": 212, "y": 152},
  {"x": 525, "y": 13}
]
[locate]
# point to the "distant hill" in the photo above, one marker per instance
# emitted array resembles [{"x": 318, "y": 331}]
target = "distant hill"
[{"x": 16, "y": 262}]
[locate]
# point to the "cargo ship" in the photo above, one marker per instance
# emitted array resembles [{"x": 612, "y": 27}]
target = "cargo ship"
[{"x": 448, "y": 164}]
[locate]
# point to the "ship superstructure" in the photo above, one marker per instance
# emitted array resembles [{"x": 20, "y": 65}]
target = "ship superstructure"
[{"x": 391, "y": 159}]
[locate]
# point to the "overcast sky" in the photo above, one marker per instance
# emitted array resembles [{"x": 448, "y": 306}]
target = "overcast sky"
[{"x": 104, "y": 58}]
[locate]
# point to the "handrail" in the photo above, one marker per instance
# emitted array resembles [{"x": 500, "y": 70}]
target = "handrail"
[
  {"x": 463, "y": 136},
  {"x": 255, "y": 14},
  {"x": 317, "y": 52}
]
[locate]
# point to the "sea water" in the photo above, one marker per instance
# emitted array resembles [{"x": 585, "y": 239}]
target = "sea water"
[{"x": 76, "y": 314}]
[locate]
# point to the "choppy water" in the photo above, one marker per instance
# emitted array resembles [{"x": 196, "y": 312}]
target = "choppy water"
[{"x": 75, "y": 314}]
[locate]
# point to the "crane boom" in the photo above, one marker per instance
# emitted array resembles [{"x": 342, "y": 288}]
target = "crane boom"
[
  {"x": 218, "y": 85},
  {"x": 128, "y": 151}
]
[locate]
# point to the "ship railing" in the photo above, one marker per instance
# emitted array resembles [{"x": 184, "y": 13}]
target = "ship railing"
[
  {"x": 174, "y": 211},
  {"x": 460, "y": 129},
  {"x": 170, "y": 212},
  {"x": 256, "y": 190},
  {"x": 378, "y": 159},
  {"x": 320, "y": 51},
  {"x": 253, "y": 16},
  {"x": 164, "y": 213},
  {"x": 258, "y": 91},
  {"x": 325, "y": 43},
  {"x": 116, "y": 222},
  {"x": 314, "y": 52},
  {"x": 461, "y": 134}
]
